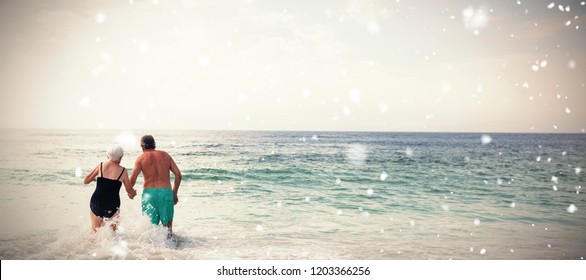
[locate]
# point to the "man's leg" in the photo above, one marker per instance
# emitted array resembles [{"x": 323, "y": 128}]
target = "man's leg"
[
  {"x": 167, "y": 211},
  {"x": 149, "y": 207},
  {"x": 170, "y": 229}
]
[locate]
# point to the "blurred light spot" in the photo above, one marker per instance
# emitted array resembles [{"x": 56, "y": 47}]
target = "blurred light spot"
[
  {"x": 355, "y": 96},
  {"x": 475, "y": 18},
  {"x": 572, "y": 64},
  {"x": 204, "y": 61},
  {"x": 383, "y": 108},
  {"x": 572, "y": 208},
  {"x": 85, "y": 102},
  {"x": 100, "y": 17},
  {"x": 373, "y": 27},
  {"x": 383, "y": 176},
  {"x": 356, "y": 154},
  {"x": 127, "y": 139}
]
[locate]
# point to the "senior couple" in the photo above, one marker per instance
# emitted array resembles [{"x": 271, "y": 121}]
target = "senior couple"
[{"x": 158, "y": 198}]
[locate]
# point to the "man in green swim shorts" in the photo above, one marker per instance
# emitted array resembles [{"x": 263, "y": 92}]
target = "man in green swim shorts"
[{"x": 158, "y": 199}]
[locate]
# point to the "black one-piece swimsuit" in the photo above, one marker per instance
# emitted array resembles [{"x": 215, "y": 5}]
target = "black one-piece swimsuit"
[{"x": 106, "y": 198}]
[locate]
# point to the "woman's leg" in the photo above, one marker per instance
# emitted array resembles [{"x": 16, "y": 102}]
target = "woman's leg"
[{"x": 96, "y": 221}]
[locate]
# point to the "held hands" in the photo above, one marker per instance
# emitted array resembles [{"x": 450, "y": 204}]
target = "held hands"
[{"x": 132, "y": 194}]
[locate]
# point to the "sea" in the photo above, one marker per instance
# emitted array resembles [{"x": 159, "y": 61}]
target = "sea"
[{"x": 295, "y": 195}]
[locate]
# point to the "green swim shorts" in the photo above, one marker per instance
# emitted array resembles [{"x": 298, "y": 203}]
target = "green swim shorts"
[{"x": 158, "y": 204}]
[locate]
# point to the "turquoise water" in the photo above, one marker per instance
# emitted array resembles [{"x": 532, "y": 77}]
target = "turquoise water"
[{"x": 306, "y": 195}]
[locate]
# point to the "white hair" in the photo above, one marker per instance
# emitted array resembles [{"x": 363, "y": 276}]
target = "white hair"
[{"x": 115, "y": 153}]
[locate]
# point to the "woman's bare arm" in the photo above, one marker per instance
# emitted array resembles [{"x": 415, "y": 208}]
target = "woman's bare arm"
[
  {"x": 126, "y": 181},
  {"x": 92, "y": 175}
]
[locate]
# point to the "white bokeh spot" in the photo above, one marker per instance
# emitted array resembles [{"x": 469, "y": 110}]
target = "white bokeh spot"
[
  {"x": 100, "y": 17},
  {"x": 356, "y": 154},
  {"x": 475, "y": 19},
  {"x": 85, "y": 101},
  {"x": 572, "y": 208}
]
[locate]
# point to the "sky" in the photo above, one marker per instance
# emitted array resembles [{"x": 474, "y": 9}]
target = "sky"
[{"x": 330, "y": 65}]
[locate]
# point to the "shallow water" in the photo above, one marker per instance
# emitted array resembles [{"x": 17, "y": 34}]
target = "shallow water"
[{"x": 305, "y": 195}]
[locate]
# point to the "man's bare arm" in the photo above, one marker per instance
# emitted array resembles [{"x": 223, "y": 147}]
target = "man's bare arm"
[
  {"x": 135, "y": 172},
  {"x": 177, "y": 181}
]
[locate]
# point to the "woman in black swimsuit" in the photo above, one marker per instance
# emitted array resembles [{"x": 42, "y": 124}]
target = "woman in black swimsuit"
[{"x": 105, "y": 201}]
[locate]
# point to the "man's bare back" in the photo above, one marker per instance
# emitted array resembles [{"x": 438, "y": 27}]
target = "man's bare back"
[{"x": 155, "y": 166}]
